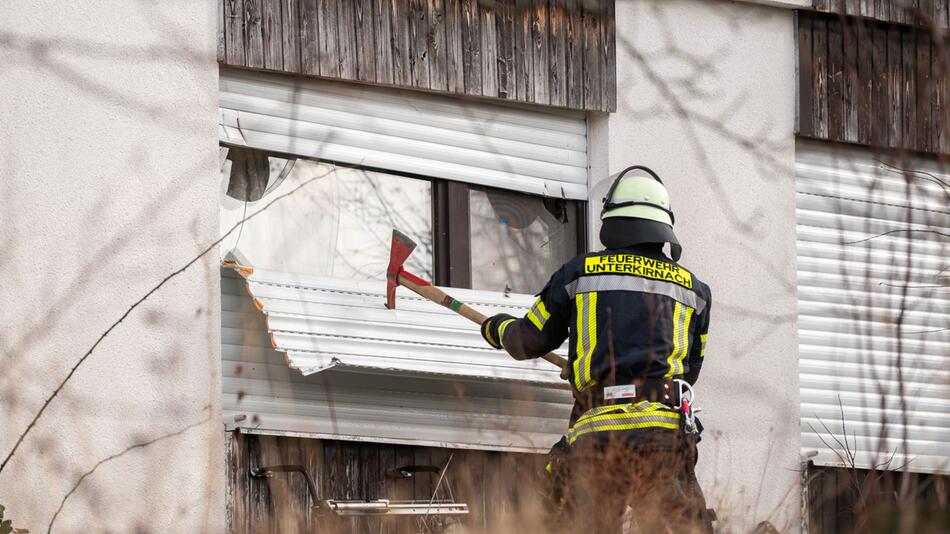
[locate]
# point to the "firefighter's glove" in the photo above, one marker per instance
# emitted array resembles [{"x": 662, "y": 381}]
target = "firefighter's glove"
[
  {"x": 493, "y": 329},
  {"x": 557, "y": 471},
  {"x": 558, "y": 458}
]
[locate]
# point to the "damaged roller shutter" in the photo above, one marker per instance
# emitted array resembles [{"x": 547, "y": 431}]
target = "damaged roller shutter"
[{"x": 294, "y": 363}]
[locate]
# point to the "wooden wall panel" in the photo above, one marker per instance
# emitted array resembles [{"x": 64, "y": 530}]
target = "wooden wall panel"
[
  {"x": 348, "y": 29},
  {"x": 524, "y": 80},
  {"x": 504, "y": 30},
  {"x": 329, "y": 49},
  {"x": 851, "y": 501},
  {"x": 253, "y": 33},
  {"x": 365, "y": 40},
  {"x": 418, "y": 39},
  {"x": 437, "y": 43},
  {"x": 273, "y": 36},
  {"x": 932, "y": 13},
  {"x": 609, "y": 57},
  {"x": 233, "y": 33},
  {"x": 575, "y": 56},
  {"x": 399, "y": 14},
  {"x": 309, "y": 38},
  {"x": 894, "y": 79},
  {"x": 499, "y": 488},
  {"x": 819, "y": 78},
  {"x": 488, "y": 30},
  {"x": 549, "y": 52},
  {"x": 592, "y": 64},
  {"x": 290, "y": 33},
  {"x": 540, "y": 64},
  {"x": 471, "y": 48},
  {"x": 872, "y": 83},
  {"x": 455, "y": 72}
]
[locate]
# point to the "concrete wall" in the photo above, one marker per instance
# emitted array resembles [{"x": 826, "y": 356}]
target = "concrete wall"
[
  {"x": 108, "y": 172},
  {"x": 707, "y": 99}
]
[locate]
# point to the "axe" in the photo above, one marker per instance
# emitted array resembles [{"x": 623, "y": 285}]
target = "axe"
[{"x": 402, "y": 247}]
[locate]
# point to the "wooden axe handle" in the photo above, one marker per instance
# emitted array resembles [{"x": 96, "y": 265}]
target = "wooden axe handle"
[{"x": 441, "y": 297}]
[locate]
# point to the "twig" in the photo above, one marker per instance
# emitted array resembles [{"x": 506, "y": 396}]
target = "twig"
[
  {"x": 844, "y": 430},
  {"x": 894, "y": 232},
  {"x": 909, "y": 286},
  {"x": 830, "y": 433},
  {"x": 125, "y": 451},
  {"x": 142, "y": 299},
  {"x": 886, "y": 463},
  {"x": 918, "y": 332},
  {"x": 436, "y": 490},
  {"x": 921, "y": 174}
]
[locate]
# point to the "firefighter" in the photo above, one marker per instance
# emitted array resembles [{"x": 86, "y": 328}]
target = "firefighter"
[{"x": 637, "y": 323}]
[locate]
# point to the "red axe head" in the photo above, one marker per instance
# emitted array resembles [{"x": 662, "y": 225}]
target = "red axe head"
[{"x": 402, "y": 247}]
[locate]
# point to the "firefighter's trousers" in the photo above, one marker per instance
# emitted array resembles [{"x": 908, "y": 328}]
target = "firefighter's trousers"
[{"x": 658, "y": 484}]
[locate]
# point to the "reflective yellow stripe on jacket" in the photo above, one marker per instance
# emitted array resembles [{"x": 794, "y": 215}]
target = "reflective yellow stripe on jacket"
[
  {"x": 538, "y": 314},
  {"x": 681, "y": 318},
  {"x": 643, "y": 414},
  {"x": 586, "y": 338}
]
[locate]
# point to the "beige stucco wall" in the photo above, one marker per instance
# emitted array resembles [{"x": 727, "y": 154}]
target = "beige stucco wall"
[
  {"x": 707, "y": 99},
  {"x": 108, "y": 172}
]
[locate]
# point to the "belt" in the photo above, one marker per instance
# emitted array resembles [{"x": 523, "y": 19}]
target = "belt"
[
  {"x": 659, "y": 390},
  {"x": 593, "y": 413},
  {"x": 662, "y": 390}
]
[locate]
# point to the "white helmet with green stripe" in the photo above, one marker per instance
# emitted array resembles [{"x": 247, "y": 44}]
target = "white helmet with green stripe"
[{"x": 637, "y": 211}]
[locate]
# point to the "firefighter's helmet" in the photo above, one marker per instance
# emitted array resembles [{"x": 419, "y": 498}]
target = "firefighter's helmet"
[{"x": 637, "y": 211}]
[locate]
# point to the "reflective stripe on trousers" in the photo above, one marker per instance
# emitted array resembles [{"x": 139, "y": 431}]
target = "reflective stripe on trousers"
[{"x": 643, "y": 414}]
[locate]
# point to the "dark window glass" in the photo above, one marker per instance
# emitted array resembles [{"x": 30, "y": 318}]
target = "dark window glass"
[{"x": 518, "y": 240}]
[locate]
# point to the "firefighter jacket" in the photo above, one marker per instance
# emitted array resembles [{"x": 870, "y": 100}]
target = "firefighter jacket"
[{"x": 628, "y": 314}]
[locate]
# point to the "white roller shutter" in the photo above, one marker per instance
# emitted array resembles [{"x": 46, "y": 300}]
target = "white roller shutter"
[
  {"x": 320, "y": 357},
  {"x": 874, "y": 310},
  {"x": 436, "y": 136}
]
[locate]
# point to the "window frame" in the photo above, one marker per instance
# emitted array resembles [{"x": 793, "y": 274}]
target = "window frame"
[{"x": 451, "y": 220}]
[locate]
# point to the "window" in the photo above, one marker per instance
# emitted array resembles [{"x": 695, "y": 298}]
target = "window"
[
  {"x": 520, "y": 239},
  {"x": 340, "y": 226},
  {"x": 501, "y": 240}
]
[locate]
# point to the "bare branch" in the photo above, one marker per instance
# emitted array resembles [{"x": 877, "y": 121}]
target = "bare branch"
[
  {"x": 123, "y": 452},
  {"x": 828, "y": 445},
  {"x": 908, "y": 230},
  {"x": 142, "y": 299},
  {"x": 914, "y": 172}
]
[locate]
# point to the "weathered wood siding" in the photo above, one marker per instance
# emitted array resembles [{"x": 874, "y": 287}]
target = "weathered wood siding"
[
  {"x": 933, "y": 13},
  {"x": 871, "y": 83},
  {"x": 550, "y": 52},
  {"x": 846, "y": 501},
  {"x": 501, "y": 489}
]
